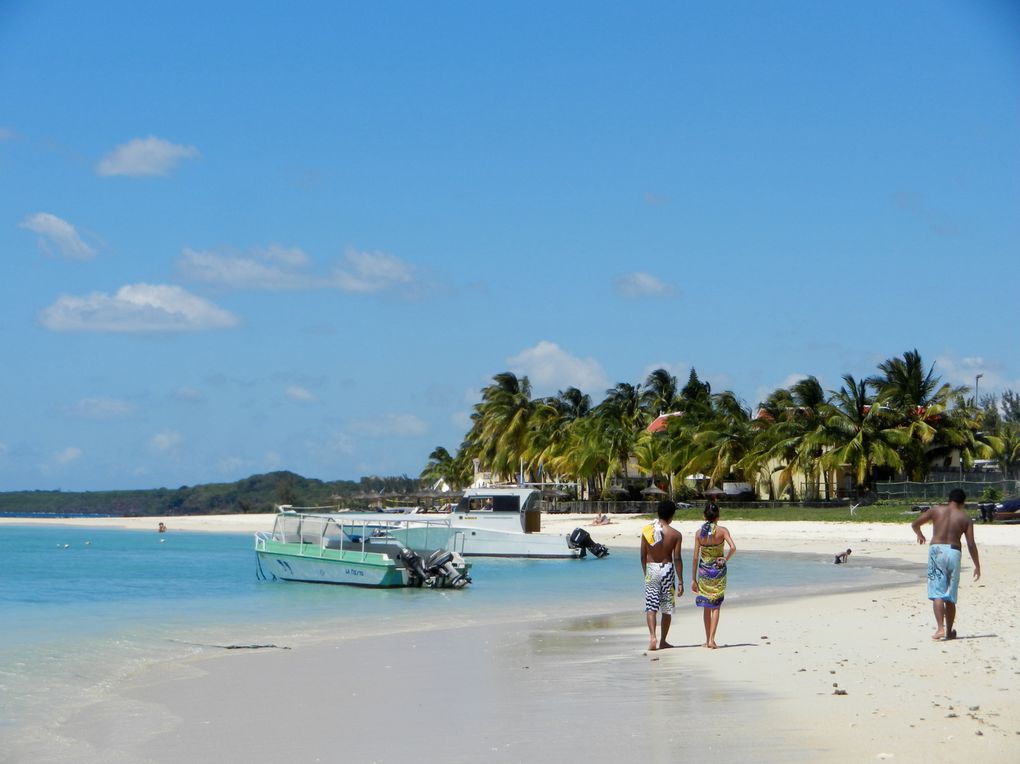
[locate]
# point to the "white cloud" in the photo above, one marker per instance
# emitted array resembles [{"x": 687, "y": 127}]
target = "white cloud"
[
  {"x": 398, "y": 425},
  {"x": 144, "y": 156},
  {"x": 165, "y": 441},
  {"x": 68, "y": 455},
  {"x": 287, "y": 268},
  {"x": 136, "y": 308},
  {"x": 300, "y": 394},
  {"x": 58, "y": 234},
  {"x": 274, "y": 267},
  {"x": 550, "y": 367},
  {"x": 639, "y": 284},
  {"x": 371, "y": 272},
  {"x": 187, "y": 395},
  {"x": 963, "y": 371},
  {"x": 101, "y": 409}
]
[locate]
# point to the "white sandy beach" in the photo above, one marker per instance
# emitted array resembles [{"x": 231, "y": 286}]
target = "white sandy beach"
[{"x": 548, "y": 691}]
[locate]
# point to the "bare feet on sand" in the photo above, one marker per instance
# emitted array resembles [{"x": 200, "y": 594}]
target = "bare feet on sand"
[
  {"x": 940, "y": 634},
  {"x": 951, "y": 634},
  {"x": 653, "y": 644},
  {"x": 664, "y": 645}
]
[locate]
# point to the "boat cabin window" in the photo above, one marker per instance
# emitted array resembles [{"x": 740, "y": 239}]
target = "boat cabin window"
[{"x": 488, "y": 504}]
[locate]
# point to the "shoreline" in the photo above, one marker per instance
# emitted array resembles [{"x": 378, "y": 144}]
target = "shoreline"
[{"x": 544, "y": 689}]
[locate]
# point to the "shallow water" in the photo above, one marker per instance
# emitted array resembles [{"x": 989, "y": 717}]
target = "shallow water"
[{"x": 83, "y": 608}]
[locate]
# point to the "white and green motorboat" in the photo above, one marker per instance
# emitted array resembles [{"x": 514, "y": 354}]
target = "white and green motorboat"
[{"x": 326, "y": 548}]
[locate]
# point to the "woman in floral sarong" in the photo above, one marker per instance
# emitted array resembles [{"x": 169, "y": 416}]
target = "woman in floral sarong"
[{"x": 708, "y": 573}]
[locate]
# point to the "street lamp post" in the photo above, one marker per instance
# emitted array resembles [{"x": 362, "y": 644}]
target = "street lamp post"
[{"x": 977, "y": 379}]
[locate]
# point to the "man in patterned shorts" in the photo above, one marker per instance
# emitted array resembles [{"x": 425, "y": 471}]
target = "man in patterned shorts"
[
  {"x": 949, "y": 522},
  {"x": 661, "y": 563}
]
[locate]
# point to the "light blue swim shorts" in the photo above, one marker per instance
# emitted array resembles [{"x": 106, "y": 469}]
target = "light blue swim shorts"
[{"x": 943, "y": 572}]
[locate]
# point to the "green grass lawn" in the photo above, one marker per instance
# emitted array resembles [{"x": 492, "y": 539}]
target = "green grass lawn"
[{"x": 881, "y": 512}]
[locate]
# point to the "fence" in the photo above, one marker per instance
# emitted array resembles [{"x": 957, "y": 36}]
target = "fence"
[
  {"x": 933, "y": 489},
  {"x": 594, "y": 507}
]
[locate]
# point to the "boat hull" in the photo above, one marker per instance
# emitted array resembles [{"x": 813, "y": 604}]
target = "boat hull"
[
  {"x": 287, "y": 566},
  {"x": 473, "y": 541}
]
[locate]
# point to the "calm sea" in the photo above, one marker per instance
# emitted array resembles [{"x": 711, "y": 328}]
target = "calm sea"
[{"x": 83, "y": 608}]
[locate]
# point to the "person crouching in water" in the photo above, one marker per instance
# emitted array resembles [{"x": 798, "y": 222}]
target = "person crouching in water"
[
  {"x": 708, "y": 574},
  {"x": 661, "y": 563}
]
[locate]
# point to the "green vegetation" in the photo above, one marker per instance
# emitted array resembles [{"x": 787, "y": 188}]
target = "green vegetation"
[
  {"x": 258, "y": 493},
  {"x": 801, "y": 443},
  {"x": 882, "y": 512}
]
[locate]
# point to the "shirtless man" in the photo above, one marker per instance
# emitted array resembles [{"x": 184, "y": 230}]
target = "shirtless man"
[
  {"x": 949, "y": 523},
  {"x": 661, "y": 563}
]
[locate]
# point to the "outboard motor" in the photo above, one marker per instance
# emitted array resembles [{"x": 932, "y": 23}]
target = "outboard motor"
[
  {"x": 414, "y": 563},
  {"x": 579, "y": 538},
  {"x": 440, "y": 567}
]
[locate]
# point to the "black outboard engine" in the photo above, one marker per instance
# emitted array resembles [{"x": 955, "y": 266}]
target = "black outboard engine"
[
  {"x": 413, "y": 562},
  {"x": 579, "y": 538},
  {"x": 440, "y": 566}
]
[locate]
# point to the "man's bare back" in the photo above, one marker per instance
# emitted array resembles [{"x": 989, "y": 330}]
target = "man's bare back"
[{"x": 663, "y": 551}]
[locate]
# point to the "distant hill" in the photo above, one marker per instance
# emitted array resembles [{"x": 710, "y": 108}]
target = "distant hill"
[{"x": 258, "y": 493}]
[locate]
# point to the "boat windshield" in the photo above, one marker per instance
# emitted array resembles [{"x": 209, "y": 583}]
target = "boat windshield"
[{"x": 489, "y": 504}]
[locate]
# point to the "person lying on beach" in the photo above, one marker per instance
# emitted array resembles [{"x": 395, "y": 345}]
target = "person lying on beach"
[
  {"x": 601, "y": 519},
  {"x": 843, "y": 557},
  {"x": 661, "y": 562}
]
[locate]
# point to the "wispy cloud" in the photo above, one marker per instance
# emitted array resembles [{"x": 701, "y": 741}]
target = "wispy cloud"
[
  {"x": 640, "y": 284},
  {"x": 963, "y": 372},
  {"x": 166, "y": 441},
  {"x": 299, "y": 394},
  {"x": 144, "y": 156},
  {"x": 274, "y": 268},
  {"x": 102, "y": 409},
  {"x": 57, "y": 234},
  {"x": 288, "y": 268},
  {"x": 137, "y": 309},
  {"x": 550, "y": 367},
  {"x": 396, "y": 425},
  {"x": 371, "y": 272},
  {"x": 187, "y": 395},
  {"x": 68, "y": 455}
]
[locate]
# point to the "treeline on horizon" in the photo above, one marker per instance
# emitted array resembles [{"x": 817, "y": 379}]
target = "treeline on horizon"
[
  {"x": 798, "y": 442},
  {"x": 258, "y": 493}
]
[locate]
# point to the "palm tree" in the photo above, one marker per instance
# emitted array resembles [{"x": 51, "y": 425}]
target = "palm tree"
[
  {"x": 500, "y": 432},
  {"x": 455, "y": 471},
  {"x": 719, "y": 444},
  {"x": 1005, "y": 447},
  {"x": 660, "y": 393},
  {"x": 920, "y": 405},
  {"x": 549, "y": 426},
  {"x": 860, "y": 437}
]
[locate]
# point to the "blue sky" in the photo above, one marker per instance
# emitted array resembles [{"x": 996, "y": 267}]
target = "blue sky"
[{"x": 241, "y": 237}]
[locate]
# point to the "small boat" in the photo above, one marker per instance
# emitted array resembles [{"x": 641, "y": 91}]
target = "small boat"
[
  {"x": 366, "y": 550},
  {"x": 505, "y": 521}
]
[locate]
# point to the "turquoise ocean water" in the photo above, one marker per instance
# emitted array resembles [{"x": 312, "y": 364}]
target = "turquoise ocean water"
[{"x": 84, "y": 608}]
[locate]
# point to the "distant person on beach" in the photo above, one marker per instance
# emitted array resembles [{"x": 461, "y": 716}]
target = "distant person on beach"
[
  {"x": 162, "y": 527},
  {"x": 661, "y": 563},
  {"x": 708, "y": 570},
  {"x": 949, "y": 523},
  {"x": 843, "y": 557},
  {"x": 601, "y": 519}
]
